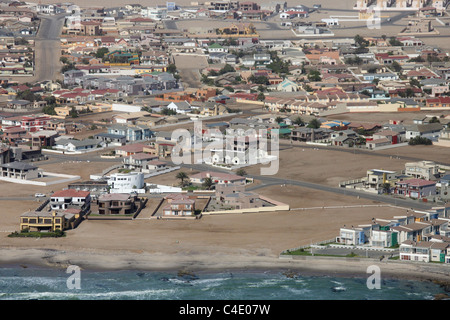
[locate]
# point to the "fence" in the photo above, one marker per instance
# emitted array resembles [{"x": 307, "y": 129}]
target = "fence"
[{"x": 309, "y": 246}]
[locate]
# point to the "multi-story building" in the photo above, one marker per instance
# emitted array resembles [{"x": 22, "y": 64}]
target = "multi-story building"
[
  {"x": 19, "y": 170},
  {"x": 126, "y": 182},
  {"x": 427, "y": 170},
  {"x": 424, "y": 251},
  {"x": 65, "y": 199},
  {"x": 50, "y": 221},
  {"x": 415, "y": 188},
  {"x": 117, "y": 203},
  {"x": 34, "y": 123},
  {"x": 179, "y": 205}
]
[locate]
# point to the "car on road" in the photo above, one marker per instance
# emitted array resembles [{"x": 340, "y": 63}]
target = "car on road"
[{"x": 39, "y": 195}]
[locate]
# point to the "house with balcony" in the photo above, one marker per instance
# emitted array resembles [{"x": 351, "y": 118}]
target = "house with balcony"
[
  {"x": 424, "y": 251},
  {"x": 310, "y": 134},
  {"x": 415, "y": 231},
  {"x": 131, "y": 132},
  {"x": 383, "y": 238},
  {"x": 415, "y": 188},
  {"x": 427, "y": 170},
  {"x": 179, "y": 205},
  {"x": 44, "y": 221},
  {"x": 43, "y": 138},
  {"x": 20, "y": 170},
  {"x": 70, "y": 198},
  {"x": 138, "y": 161},
  {"x": 351, "y": 236},
  {"x": 117, "y": 204}
]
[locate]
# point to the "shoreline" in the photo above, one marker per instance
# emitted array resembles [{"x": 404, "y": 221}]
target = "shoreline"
[{"x": 97, "y": 261}]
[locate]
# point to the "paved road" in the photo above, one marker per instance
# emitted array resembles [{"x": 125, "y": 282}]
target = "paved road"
[
  {"x": 47, "y": 50},
  {"x": 274, "y": 181},
  {"x": 357, "y": 151}
]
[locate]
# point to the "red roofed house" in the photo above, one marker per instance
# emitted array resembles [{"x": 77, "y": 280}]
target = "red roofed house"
[
  {"x": 179, "y": 205},
  {"x": 34, "y": 123},
  {"x": 415, "y": 188},
  {"x": 131, "y": 149},
  {"x": 439, "y": 102}
]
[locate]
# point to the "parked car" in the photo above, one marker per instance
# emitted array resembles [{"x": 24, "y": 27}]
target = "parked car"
[{"x": 40, "y": 195}]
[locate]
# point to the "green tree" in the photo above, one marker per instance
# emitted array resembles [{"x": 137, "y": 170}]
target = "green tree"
[
  {"x": 314, "y": 123},
  {"x": 261, "y": 96},
  {"x": 227, "y": 68},
  {"x": 420, "y": 140},
  {"x": 434, "y": 120},
  {"x": 279, "y": 120},
  {"x": 298, "y": 121},
  {"x": 396, "y": 66},
  {"x": 314, "y": 75},
  {"x": 171, "y": 68},
  {"x": 73, "y": 113},
  {"x": 241, "y": 172},
  {"x": 101, "y": 52}
]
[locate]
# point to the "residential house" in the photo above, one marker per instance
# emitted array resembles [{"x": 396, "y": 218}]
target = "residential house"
[
  {"x": 20, "y": 170},
  {"x": 179, "y": 205},
  {"x": 117, "y": 204},
  {"x": 415, "y": 188},
  {"x": 65, "y": 199},
  {"x": 217, "y": 178},
  {"x": 130, "y": 149},
  {"x": 138, "y": 161},
  {"x": 72, "y": 145},
  {"x": 44, "y": 221},
  {"x": 427, "y": 170},
  {"x": 430, "y": 131}
]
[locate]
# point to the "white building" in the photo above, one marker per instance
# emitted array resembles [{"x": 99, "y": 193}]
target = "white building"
[
  {"x": 155, "y": 13},
  {"x": 125, "y": 107},
  {"x": 62, "y": 199},
  {"x": 126, "y": 182}
]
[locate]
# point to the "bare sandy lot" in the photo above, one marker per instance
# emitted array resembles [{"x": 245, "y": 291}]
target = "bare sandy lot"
[
  {"x": 262, "y": 233},
  {"x": 328, "y": 167},
  {"x": 385, "y": 117},
  {"x": 431, "y": 153}
]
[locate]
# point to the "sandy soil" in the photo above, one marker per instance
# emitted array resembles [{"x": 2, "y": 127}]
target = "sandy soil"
[
  {"x": 238, "y": 241},
  {"x": 328, "y": 167}
]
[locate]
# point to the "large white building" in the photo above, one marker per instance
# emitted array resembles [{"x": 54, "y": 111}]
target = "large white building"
[
  {"x": 155, "y": 13},
  {"x": 126, "y": 182}
]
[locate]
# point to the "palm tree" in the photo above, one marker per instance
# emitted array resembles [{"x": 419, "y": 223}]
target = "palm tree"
[
  {"x": 182, "y": 176},
  {"x": 207, "y": 183},
  {"x": 278, "y": 120}
]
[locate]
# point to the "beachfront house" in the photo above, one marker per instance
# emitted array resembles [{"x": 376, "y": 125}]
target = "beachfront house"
[
  {"x": 351, "y": 236},
  {"x": 65, "y": 199},
  {"x": 44, "y": 221}
]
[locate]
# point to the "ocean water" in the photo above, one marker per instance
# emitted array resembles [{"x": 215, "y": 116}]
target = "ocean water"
[{"x": 48, "y": 284}]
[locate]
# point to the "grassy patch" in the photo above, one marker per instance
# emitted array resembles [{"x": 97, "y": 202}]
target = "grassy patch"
[{"x": 36, "y": 234}]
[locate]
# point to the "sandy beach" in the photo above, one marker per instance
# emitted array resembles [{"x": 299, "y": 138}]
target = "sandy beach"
[{"x": 200, "y": 263}]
